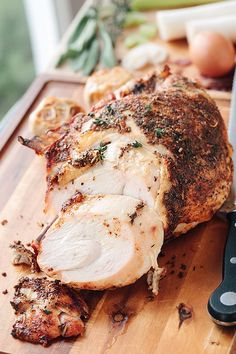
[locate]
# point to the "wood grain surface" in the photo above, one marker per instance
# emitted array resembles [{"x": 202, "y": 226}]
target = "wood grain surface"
[{"x": 144, "y": 324}]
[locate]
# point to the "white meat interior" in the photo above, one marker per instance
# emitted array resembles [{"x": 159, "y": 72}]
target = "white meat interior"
[
  {"x": 124, "y": 170},
  {"x": 105, "y": 241}
]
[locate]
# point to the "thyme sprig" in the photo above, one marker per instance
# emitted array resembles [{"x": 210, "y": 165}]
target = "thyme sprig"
[{"x": 101, "y": 150}]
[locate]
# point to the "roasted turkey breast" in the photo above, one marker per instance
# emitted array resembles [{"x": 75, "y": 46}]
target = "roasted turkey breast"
[
  {"x": 159, "y": 142},
  {"x": 168, "y": 148}
]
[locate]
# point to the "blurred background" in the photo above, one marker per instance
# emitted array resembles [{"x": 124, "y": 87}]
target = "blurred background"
[
  {"x": 196, "y": 41},
  {"x": 23, "y": 44}
]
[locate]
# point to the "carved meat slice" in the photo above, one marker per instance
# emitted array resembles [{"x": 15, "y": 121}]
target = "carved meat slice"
[
  {"x": 101, "y": 242},
  {"x": 47, "y": 310}
]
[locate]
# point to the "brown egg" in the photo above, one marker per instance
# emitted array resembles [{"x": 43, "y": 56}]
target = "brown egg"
[{"x": 212, "y": 53}]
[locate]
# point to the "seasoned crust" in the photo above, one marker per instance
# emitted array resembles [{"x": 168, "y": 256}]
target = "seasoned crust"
[
  {"x": 46, "y": 310},
  {"x": 41, "y": 143},
  {"x": 59, "y": 150},
  {"x": 190, "y": 126},
  {"x": 136, "y": 86}
]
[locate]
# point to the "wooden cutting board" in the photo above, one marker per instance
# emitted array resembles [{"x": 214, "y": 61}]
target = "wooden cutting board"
[{"x": 127, "y": 320}]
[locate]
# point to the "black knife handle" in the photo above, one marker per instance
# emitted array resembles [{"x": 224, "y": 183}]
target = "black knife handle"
[{"x": 222, "y": 302}]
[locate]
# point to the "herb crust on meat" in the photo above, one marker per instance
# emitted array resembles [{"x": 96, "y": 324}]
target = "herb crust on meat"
[
  {"x": 175, "y": 114},
  {"x": 47, "y": 310}
]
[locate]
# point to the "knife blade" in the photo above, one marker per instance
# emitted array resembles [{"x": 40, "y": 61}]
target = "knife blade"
[{"x": 222, "y": 302}]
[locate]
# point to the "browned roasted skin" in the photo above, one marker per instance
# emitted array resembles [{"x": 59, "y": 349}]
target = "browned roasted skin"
[
  {"x": 192, "y": 129},
  {"x": 60, "y": 150},
  {"x": 40, "y": 143},
  {"x": 47, "y": 310},
  {"x": 135, "y": 86}
]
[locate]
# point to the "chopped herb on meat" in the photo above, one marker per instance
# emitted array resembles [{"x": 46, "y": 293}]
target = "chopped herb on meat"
[
  {"x": 159, "y": 132},
  {"x": 100, "y": 122},
  {"x": 136, "y": 144},
  {"x": 47, "y": 311},
  {"x": 101, "y": 150},
  {"x": 110, "y": 109},
  {"x": 148, "y": 108}
]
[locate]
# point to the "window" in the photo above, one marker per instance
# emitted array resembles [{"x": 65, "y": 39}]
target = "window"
[
  {"x": 16, "y": 63},
  {"x": 29, "y": 34}
]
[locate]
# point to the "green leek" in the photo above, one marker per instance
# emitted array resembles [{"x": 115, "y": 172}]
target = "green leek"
[{"x": 139, "y": 5}]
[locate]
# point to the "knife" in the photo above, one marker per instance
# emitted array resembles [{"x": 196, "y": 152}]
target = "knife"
[{"x": 222, "y": 302}]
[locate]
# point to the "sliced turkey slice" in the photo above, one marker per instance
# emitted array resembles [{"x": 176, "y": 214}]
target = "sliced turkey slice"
[{"x": 102, "y": 242}]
